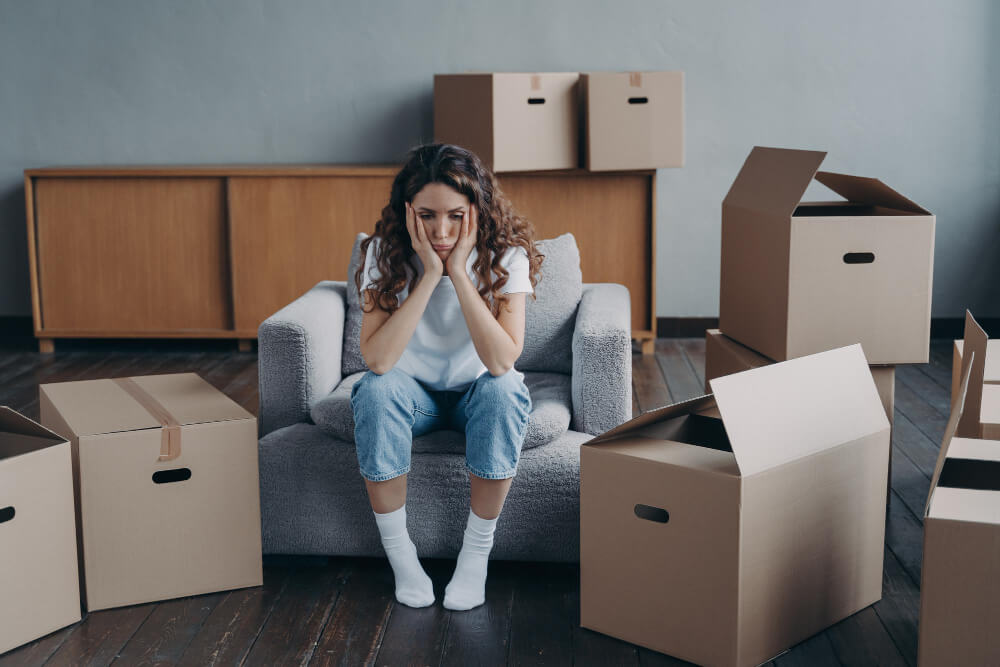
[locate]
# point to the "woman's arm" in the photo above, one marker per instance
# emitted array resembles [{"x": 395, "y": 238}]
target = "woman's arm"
[
  {"x": 498, "y": 340},
  {"x": 385, "y": 336}
]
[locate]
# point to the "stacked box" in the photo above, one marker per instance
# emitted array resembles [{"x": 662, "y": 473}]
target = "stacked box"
[
  {"x": 798, "y": 278},
  {"x": 513, "y": 121},
  {"x": 166, "y": 483},
  {"x": 604, "y": 121},
  {"x": 632, "y": 120},
  {"x": 39, "y": 581},
  {"x": 960, "y": 577}
]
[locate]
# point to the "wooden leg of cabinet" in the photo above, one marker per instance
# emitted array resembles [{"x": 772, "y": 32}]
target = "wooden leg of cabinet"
[
  {"x": 648, "y": 345},
  {"x": 245, "y": 344},
  {"x": 46, "y": 346}
]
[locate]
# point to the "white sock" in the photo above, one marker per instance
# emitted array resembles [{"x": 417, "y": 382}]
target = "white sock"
[
  {"x": 413, "y": 587},
  {"x": 467, "y": 588}
]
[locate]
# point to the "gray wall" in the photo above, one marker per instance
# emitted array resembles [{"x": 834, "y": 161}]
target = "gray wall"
[{"x": 907, "y": 91}]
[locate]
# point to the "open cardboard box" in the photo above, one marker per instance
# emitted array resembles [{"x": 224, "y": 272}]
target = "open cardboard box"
[
  {"x": 632, "y": 120},
  {"x": 724, "y": 356},
  {"x": 513, "y": 121},
  {"x": 981, "y": 406},
  {"x": 991, "y": 370},
  {"x": 39, "y": 580},
  {"x": 167, "y": 487},
  {"x": 725, "y": 529},
  {"x": 960, "y": 578},
  {"x": 799, "y": 278}
]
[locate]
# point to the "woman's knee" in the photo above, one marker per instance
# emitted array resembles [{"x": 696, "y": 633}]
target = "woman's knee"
[
  {"x": 506, "y": 388},
  {"x": 380, "y": 391}
]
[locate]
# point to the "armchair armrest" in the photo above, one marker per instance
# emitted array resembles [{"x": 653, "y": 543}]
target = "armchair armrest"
[
  {"x": 299, "y": 352},
  {"x": 602, "y": 359}
]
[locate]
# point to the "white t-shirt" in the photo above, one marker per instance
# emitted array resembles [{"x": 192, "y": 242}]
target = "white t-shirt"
[{"x": 441, "y": 354}]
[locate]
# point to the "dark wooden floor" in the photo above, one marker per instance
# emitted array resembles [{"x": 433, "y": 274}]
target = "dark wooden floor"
[{"x": 321, "y": 611}]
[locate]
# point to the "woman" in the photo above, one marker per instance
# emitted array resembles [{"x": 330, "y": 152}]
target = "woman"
[{"x": 443, "y": 290}]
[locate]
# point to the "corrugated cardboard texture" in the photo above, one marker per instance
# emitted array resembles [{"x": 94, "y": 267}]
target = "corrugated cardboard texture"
[
  {"x": 38, "y": 563},
  {"x": 513, "y": 121},
  {"x": 144, "y": 537},
  {"x": 633, "y": 120},
  {"x": 799, "y": 278}
]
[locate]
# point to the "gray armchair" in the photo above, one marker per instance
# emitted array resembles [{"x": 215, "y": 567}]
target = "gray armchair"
[{"x": 577, "y": 362}]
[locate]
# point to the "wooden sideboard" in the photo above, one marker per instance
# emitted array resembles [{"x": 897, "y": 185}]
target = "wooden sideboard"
[{"x": 212, "y": 251}]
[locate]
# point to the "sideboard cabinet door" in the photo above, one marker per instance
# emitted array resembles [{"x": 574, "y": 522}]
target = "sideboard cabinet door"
[{"x": 123, "y": 256}]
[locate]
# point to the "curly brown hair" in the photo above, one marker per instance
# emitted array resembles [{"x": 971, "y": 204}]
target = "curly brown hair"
[{"x": 500, "y": 227}]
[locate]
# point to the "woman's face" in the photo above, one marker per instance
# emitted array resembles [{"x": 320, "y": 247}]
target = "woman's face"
[{"x": 440, "y": 209}]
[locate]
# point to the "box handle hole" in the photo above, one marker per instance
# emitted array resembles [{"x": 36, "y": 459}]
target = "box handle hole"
[
  {"x": 638, "y": 100},
  {"x": 652, "y": 513},
  {"x": 6, "y": 514},
  {"x": 536, "y": 100},
  {"x": 859, "y": 258},
  {"x": 170, "y": 476}
]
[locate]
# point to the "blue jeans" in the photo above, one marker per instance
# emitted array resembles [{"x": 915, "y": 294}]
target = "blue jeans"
[{"x": 390, "y": 409}]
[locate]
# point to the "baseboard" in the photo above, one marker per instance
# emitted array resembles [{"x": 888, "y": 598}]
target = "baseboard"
[
  {"x": 16, "y": 326},
  {"x": 694, "y": 327}
]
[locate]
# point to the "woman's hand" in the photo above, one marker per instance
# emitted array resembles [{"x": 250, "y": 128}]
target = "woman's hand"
[
  {"x": 433, "y": 266},
  {"x": 466, "y": 242}
]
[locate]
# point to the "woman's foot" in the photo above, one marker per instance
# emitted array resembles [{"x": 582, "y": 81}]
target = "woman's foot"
[
  {"x": 413, "y": 587},
  {"x": 467, "y": 588}
]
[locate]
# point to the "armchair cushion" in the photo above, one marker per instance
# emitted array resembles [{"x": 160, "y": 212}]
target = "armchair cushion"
[
  {"x": 549, "y": 419},
  {"x": 550, "y": 317}
]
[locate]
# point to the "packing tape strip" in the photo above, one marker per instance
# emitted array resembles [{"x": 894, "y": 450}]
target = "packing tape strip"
[
  {"x": 170, "y": 438},
  {"x": 536, "y": 82},
  {"x": 635, "y": 79}
]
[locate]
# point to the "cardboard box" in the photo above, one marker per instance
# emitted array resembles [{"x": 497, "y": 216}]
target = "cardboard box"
[
  {"x": 724, "y": 356},
  {"x": 512, "y": 121},
  {"x": 799, "y": 278},
  {"x": 960, "y": 578},
  {"x": 38, "y": 560},
  {"x": 632, "y": 120},
  {"x": 166, "y": 480},
  {"x": 981, "y": 406},
  {"x": 726, "y": 539},
  {"x": 991, "y": 371}
]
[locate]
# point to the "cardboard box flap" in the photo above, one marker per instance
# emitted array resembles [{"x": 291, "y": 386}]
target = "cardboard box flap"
[
  {"x": 95, "y": 407},
  {"x": 691, "y": 406},
  {"x": 12, "y": 421},
  {"x": 190, "y": 399},
  {"x": 975, "y": 354},
  {"x": 867, "y": 191},
  {"x": 968, "y": 488},
  {"x": 787, "y": 411},
  {"x": 972, "y": 332},
  {"x": 774, "y": 180}
]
